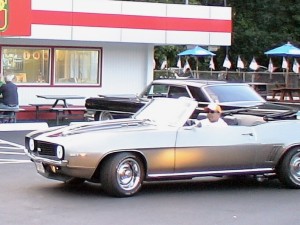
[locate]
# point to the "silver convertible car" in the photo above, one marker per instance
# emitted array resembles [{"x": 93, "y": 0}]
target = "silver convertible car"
[{"x": 160, "y": 142}]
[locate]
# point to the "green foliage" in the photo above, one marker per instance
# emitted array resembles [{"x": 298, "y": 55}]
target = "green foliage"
[
  {"x": 258, "y": 26},
  {"x": 262, "y": 25}
]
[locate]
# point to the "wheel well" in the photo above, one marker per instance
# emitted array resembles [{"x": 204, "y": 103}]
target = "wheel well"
[
  {"x": 96, "y": 175},
  {"x": 285, "y": 153}
]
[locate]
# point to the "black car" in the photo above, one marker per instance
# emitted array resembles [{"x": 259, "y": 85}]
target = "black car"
[{"x": 231, "y": 96}]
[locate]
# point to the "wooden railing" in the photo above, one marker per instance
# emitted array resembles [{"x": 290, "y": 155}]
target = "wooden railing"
[{"x": 235, "y": 76}]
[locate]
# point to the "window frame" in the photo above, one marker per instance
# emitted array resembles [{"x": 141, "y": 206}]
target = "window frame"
[{"x": 51, "y": 82}]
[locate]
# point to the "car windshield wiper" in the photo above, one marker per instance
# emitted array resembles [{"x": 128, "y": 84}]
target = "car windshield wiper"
[
  {"x": 236, "y": 111},
  {"x": 286, "y": 114},
  {"x": 281, "y": 115}
]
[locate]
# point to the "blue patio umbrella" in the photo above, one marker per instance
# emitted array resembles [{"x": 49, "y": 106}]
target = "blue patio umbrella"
[
  {"x": 197, "y": 51},
  {"x": 285, "y": 50}
]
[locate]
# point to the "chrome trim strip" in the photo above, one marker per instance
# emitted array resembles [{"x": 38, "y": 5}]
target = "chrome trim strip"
[
  {"x": 49, "y": 161},
  {"x": 218, "y": 172},
  {"x": 110, "y": 111}
]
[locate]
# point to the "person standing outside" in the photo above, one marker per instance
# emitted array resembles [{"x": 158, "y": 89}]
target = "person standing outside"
[
  {"x": 9, "y": 92},
  {"x": 213, "y": 119}
]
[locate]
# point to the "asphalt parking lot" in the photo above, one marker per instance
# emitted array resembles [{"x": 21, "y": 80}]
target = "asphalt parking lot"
[
  {"x": 15, "y": 132},
  {"x": 28, "y": 198}
]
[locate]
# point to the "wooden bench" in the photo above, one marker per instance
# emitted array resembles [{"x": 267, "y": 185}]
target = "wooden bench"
[
  {"x": 63, "y": 113},
  {"x": 9, "y": 115},
  {"x": 40, "y": 107}
]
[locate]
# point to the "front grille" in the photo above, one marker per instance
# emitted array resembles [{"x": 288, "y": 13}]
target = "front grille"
[
  {"x": 46, "y": 149},
  {"x": 43, "y": 149}
]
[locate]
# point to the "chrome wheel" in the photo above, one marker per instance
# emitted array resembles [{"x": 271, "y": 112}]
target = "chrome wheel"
[
  {"x": 288, "y": 170},
  {"x": 122, "y": 174},
  {"x": 129, "y": 174},
  {"x": 295, "y": 167},
  {"x": 104, "y": 115}
]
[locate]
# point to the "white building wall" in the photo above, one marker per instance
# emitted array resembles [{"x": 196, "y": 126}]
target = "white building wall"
[
  {"x": 124, "y": 71},
  {"x": 127, "y": 64}
]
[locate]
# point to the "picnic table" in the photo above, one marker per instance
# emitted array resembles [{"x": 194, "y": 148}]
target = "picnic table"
[
  {"x": 60, "y": 105},
  {"x": 60, "y": 98},
  {"x": 285, "y": 92}
]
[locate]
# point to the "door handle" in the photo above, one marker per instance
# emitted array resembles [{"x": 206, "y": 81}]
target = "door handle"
[{"x": 250, "y": 134}]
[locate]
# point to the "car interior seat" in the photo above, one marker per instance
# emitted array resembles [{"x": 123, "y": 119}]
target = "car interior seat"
[
  {"x": 230, "y": 120},
  {"x": 201, "y": 116},
  {"x": 249, "y": 120}
]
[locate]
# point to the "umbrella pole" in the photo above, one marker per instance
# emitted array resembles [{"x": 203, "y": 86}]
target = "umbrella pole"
[
  {"x": 287, "y": 82},
  {"x": 197, "y": 67},
  {"x": 287, "y": 78}
]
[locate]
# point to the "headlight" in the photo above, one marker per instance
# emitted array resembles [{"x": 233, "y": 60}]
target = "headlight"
[
  {"x": 59, "y": 152},
  {"x": 31, "y": 144}
]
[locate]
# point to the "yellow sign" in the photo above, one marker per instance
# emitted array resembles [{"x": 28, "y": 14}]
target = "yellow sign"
[
  {"x": 26, "y": 55},
  {"x": 3, "y": 14}
]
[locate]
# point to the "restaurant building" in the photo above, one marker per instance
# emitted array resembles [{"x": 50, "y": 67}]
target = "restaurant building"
[{"x": 94, "y": 47}]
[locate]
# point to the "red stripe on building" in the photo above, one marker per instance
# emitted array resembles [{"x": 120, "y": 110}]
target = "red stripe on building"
[{"x": 130, "y": 21}]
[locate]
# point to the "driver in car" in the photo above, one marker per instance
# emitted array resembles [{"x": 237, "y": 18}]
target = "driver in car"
[{"x": 213, "y": 119}]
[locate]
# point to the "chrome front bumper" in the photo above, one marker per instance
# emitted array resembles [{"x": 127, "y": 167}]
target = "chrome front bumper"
[{"x": 47, "y": 161}]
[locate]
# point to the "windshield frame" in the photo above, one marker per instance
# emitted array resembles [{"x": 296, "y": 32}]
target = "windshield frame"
[{"x": 167, "y": 111}]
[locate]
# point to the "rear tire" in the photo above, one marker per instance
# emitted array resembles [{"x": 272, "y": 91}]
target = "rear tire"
[
  {"x": 289, "y": 169},
  {"x": 122, "y": 175},
  {"x": 103, "y": 115}
]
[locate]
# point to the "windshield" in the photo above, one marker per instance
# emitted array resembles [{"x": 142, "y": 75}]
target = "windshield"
[
  {"x": 166, "y": 111},
  {"x": 233, "y": 93},
  {"x": 157, "y": 90}
]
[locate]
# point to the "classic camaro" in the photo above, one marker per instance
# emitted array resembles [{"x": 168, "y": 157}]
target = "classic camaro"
[{"x": 161, "y": 142}]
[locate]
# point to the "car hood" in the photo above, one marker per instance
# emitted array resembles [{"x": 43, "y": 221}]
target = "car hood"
[
  {"x": 92, "y": 127},
  {"x": 159, "y": 116},
  {"x": 112, "y": 135}
]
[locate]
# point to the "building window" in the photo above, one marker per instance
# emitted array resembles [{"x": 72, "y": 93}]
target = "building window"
[
  {"x": 76, "y": 66},
  {"x": 52, "y": 66},
  {"x": 29, "y": 65}
]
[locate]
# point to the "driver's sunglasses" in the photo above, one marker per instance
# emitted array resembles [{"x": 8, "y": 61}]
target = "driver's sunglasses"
[{"x": 212, "y": 111}]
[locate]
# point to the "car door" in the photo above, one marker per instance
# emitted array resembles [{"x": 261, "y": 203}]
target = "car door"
[{"x": 215, "y": 148}]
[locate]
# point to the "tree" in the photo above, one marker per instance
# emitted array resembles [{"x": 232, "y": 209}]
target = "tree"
[
  {"x": 167, "y": 52},
  {"x": 261, "y": 25},
  {"x": 257, "y": 27}
]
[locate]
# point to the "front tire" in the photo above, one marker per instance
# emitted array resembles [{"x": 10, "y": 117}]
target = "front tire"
[
  {"x": 289, "y": 169},
  {"x": 122, "y": 175}
]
